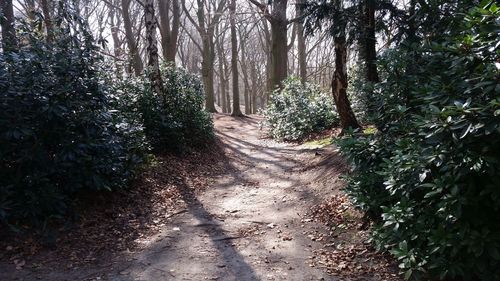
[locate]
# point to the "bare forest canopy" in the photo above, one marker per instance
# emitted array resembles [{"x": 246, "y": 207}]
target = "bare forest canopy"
[{"x": 196, "y": 35}]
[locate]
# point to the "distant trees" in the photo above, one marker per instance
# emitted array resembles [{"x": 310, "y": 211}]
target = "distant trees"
[
  {"x": 208, "y": 14},
  {"x": 197, "y": 35}
]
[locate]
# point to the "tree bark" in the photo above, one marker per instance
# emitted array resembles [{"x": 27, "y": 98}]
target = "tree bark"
[
  {"x": 206, "y": 30},
  {"x": 131, "y": 42},
  {"x": 152, "y": 48},
  {"x": 246, "y": 82},
  {"x": 222, "y": 94},
  {"x": 301, "y": 46},
  {"x": 9, "y": 39},
  {"x": 207, "y": 73},
  {"x": 279, "y": 48},
  {"x": 115, "y": 30},
  {"x": 254, "y": 78},
  {"x": 279, "y": 39},
  {"x": 228, "y": 96},
  {"x": 234, "y": 60},
  {"x": 269, "y": 62},
  {"x": 369, "y": 42},
  {"x": 339, "y": 86},
  {"x": 47, "y": 20},
  {"x": 169, "y": 32}
]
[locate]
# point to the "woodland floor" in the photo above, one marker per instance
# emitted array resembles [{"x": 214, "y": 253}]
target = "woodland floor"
[{"x": 248, "y": 209}]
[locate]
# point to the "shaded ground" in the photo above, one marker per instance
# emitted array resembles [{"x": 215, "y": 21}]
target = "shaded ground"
[{"x": 251, "y": 209}]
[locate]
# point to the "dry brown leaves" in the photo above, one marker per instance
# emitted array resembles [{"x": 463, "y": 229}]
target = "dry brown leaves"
[
  {"x": 337, "y": 212},
  {"x": 355, "y": 262},
  {"x": 115, "y": 222},
  {"x": 333, "y": 132},
  {"x": 350, "y": 255}
]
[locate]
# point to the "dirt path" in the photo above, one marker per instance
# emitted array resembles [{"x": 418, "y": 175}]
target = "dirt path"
[
  {"x": 250, "y": 224},
  {"x": 247, "y": 226}
]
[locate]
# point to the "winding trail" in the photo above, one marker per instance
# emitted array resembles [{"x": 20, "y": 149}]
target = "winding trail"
[{"x": 248, "y": 225}]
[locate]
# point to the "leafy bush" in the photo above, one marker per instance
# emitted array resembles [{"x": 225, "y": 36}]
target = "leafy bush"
[
  {"x": 58, "y": 134},
  {"x": 359, "y": 93},
  {"x": 298, "y": 110},
  {"x": 172, "y": 122},
  {"x": 430, "y": 176}
]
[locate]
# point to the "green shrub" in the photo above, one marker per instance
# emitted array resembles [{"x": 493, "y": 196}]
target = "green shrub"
[
  {"x": 298, "y": 110},
  {"x": 359, "y": 93},
  {"x": 58, "y": 133},
  {"x": 174, "y": 122},
  {"x": 430, "y": 175}
]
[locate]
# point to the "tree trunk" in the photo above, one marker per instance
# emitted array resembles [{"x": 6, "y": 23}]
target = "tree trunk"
[
  {"x": 369, "y": 42},
  {"x": 301, "y": 46},
  {"x": 246, "y": 95},
  {"x": 206, "y": 29},
  {"x": 234, "y": 60},
  {"x": 339, "y": 86},
  {"x": 47, "y": 20},
  {"x": 30, "y": 10},
  {"x": 208, "y": 74},
  {"x": 9, "y": 39},
  {"x": 222, "y": 94},
  {"x": 254, "y": 79},
  {"x": 244, "y": 70},
  {"x": 269, "y": 61},
  {"x": 116, "y": 40},
  {"x": 279, "y": 39},
  {"x": 152, "y": 48},
  {"x": 228, "y": 96},
  {"x": 169, "y": 32},
  {"x": 131, "y": 42},
  {"x": 269, "y": 76}
]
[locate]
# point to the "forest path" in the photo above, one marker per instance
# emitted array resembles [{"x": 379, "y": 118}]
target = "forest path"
[
  {"x": 246, "y": 217},
  {"x": 249, "y": 225}
]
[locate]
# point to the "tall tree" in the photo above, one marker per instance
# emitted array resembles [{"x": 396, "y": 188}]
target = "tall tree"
[
  {"x": 234, "y": 60},
  {"x": 222, "y": 73},
  {"x": 340, "y": 83},
  {"x": 9, "y": 39},
  {"x": 279, "y": 51},
  {"x": 115, "y": 22},
  {"x": 265, "y": 38},
  {"x": 205, "y": 25},
  {"x": 169, "y": 30},
  {"x": 255, "y": 80},
  {"x": 131, "y": 42},
  {"x": 152, "y": 48},
  {"x": 368, "y": 41},
  {"x": 243, "y": 35},
  {"x": 334, "y": 13},
  {"x": 339, "y": 80},
  {"x": 301, "y": 43},
  {"x": 47, "y": 19}
]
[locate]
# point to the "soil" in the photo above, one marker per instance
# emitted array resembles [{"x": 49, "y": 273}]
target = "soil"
[{"x": 249, "y": 208}]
